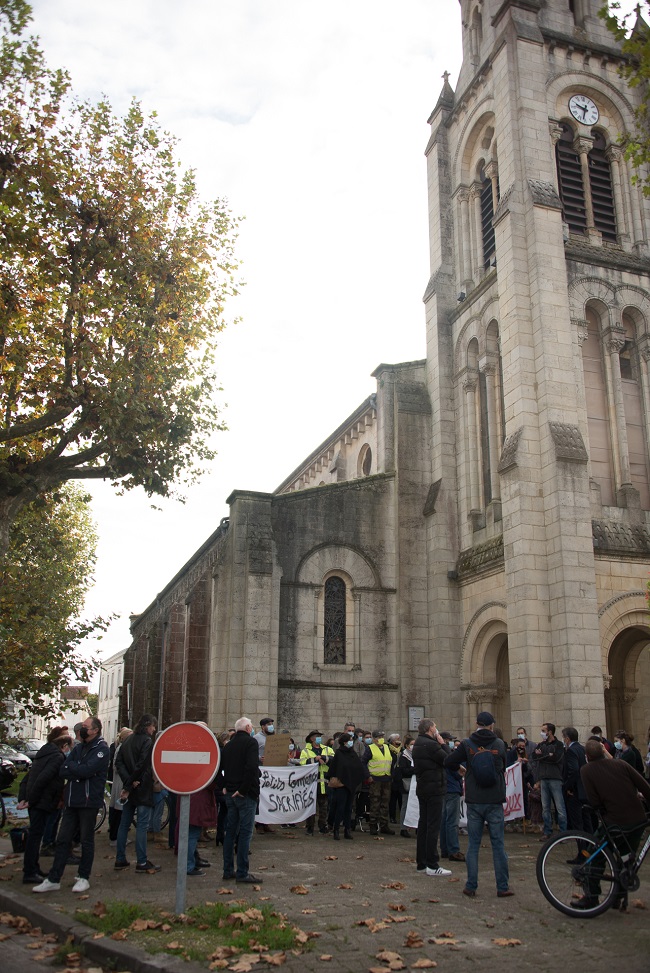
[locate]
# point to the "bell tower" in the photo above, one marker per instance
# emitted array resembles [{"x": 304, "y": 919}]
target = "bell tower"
[{"x": 538, "y": 341}]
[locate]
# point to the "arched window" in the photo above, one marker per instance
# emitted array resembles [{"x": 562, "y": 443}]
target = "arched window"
[
  {"x": 600, "y": 177},
  {"x": 364, "y": 461},
  {"x": 577, "y": 198},
  {"x": 334, "y": 618}
]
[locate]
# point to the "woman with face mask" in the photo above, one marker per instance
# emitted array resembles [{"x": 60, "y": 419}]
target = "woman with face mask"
[
  {"x": 347, "y": 771},
  {"x": 315, "y": 752},
  {"x": 626, "y": 751}
]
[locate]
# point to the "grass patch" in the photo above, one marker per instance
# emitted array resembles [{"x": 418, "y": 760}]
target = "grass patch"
[{"x": 207, "y": 932}]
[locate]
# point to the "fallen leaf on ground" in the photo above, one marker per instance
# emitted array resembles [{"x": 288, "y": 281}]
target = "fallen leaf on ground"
[
  {"x": 245, "y": 963},
  {"x": 639, "y": 904},
  {"x": 274, "y": 959},
  {"x": 447, "y": 935},
  {"x": 393, "y": 885},
  {"x": 397, "y": 907},
  {"x": 434, "y": 900},
  {"x": 377, "y": 838},
  {"x": 139, "y": 925},
  {"x": 165, "y": 927},
  {"x": 224, "y": 891},
  {"x": 223, "y": 952},
  {"x": 414, "y": 940},
  {"x": 411, "y": 861},
  {"x": 507, "y": 942},
  {"x": 100, "y": 935},
  {"x": 326, "y": 957},
  {"x": 438, "y": 941},
  {"x": 331, "y": 858},
  {"x": 388, "y": 956},
  {"x": 299, "y": 890},
  {"x": 423, "y": 964},
  {"x": 308, "y": 912},
  {"x": 344, "y": 885},
  {"x": 218, "y": 964},
  {"x": 120, "y": 935},
  {"x": 358, "y": 857},
  {"x": 173, "y": 945}
]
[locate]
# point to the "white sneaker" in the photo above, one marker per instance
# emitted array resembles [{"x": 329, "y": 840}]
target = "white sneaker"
[
  {"x": 47, "y": 886},
  {"x": 438, "y": 871},
  {"x": 113, "y": 844},
  {"x": 81, "y": 885}
]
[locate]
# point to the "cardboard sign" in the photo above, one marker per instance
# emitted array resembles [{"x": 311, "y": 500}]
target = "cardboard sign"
[{"x": 276, "y": 751}]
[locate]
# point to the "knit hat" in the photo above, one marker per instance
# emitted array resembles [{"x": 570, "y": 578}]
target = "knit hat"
[{"x": 485, "y": 719}]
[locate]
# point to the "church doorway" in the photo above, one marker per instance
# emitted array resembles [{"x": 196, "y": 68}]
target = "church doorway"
[
  {"x": 490, "y": 678},
  {"x": 627, "y": 700}
]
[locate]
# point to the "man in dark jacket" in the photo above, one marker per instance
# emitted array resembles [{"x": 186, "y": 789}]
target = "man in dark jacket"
[
  {"x": 133, "y": 764},
  {"x": 485, "y": 792},
  {"x": 40, "y": 791},
  {"x": 240, "y": 772},
  {"x": 548, "y": 763},
  {"x": 85, "y": 770},
  {"x": 575, "y": 795},
  {"x": 429, "y": 752}
]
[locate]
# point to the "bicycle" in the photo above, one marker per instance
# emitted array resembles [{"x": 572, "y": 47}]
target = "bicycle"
[
  {"x": 575, "y": 866},
  {"x": 103, "y": 810}
]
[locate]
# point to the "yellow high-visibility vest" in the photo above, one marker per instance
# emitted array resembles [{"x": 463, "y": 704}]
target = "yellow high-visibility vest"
[
  {"x": 381, "y": 762},
  {"x": 309, "y": 755}
]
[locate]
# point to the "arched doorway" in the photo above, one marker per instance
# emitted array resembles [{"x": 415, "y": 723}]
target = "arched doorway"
[
  {"x": 490, "y": 678},
  {"x": 627, "y": 699}
]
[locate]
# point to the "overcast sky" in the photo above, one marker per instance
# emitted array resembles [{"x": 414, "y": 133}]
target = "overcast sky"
[{"x": 311, "y": 119}]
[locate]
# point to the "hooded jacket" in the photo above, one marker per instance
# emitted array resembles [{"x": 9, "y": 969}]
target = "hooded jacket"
[
  {"x": 474, "y": 793},
  {"x": 133, "y": 762},
  {"x": 86, "y": 769},
  {"x": 428, "y": 760},
  {"x": 43, "y": 786}
]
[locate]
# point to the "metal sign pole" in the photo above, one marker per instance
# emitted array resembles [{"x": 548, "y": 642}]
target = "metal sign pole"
[{"x": 183, "y": 842}]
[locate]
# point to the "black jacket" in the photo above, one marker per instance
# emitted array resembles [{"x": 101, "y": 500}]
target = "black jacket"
[
  {"x": 474, "y": 793},
  {"x": 133, "y": 762},
  {"x": 548, "y": 760},
  {"x": 347, "y": 766},
  {"x": 42, "y": 787},
  {"x": 85, "y": 768},
  {"x": 428, "y": 761},
  {"x": 574, "y": 759},
  {"x": 240, "y": 765}
]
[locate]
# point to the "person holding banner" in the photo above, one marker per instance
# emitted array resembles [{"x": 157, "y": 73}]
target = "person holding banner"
[
  {"x": 316, "y": 752},
  {"x": 346, "y": 774}
]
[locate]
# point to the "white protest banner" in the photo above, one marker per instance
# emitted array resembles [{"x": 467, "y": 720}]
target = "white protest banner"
[
  {"x": 287, "y": 794},
  {"x": 513, "y": 806}
]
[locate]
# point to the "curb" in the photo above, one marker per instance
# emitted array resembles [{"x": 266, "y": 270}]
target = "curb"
[{"x": 121, "y": 956}]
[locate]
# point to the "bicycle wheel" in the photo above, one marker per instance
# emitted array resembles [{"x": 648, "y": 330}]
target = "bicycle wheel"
[
  {"x": 164, "y": 818},
  {"x": 101, "y": 816},
  {"x": 3, "y": 812},
  {"x": 570, "y": 869}
]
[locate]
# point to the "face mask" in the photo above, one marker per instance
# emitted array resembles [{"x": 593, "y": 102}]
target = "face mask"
[
  {"x": 410, "y": 746},
  {"x": 380, "y": 741},
  {"x": 83, "y": 732},
  {"x": 291, "y": 746},
  {"x": 252, "y": 732},
  {"x": 318, "y": 740},
  {"x": 270, "y": 728},
  {"x": 367, "y": 740},
  {"x": 618, "y": 744},
  {"x": 349, "y": 743},
  {"x": 543, "y": 735},
  {"x": 521, "y": 736}
]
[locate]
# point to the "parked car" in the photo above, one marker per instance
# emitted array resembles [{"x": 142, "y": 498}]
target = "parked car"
[
  {"x": 8, "y": 773},
  {"x": 30, "y": 747},
  {"x": 20, "y": 760}
]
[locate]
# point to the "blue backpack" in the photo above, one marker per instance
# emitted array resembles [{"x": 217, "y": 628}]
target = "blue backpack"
[{"x": 483, "y": 765}]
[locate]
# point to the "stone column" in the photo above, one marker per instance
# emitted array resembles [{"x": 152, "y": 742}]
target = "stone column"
[
  {"x": 615, "y": 345},
  {"x": 614, "y": 157},
  {"x": 583, "y": 147},
  {"x": 463, "y": 200},
  {"x": 644, "y": 358},
  {"x": 469, "y": 388},
  {"x": 555, "y": 131},
  {"x": 489, "y": 370},
  {"x": 475, "y": 212},
  {"x": 492, "y": 172}
]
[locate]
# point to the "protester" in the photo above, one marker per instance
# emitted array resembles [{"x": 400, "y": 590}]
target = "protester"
[
  {"x": 347, "y": 770},
  {"x": 85, "y": 769},
  {"x": 625, "y": 750},
  {"x": 379, "y": 761},
  {"x": 449, "y": 843},
  {"x": 316, "y": 753},
  {"x": 395, "y": 802},
  {"x": 406, "y": 772},
  {"x": 133, "y": 764},
  {"x": 240, "y": 766},
  {"x": 429, "y": 753},
  {"x": 40, "y": 792},
  {"x": 578, "y": 816},
  {"x": 548, "y": 759},
  {"x": 117, "y": 785},
  {"x": 267, "y": 729},
  {"x": 484, "y": 755}
]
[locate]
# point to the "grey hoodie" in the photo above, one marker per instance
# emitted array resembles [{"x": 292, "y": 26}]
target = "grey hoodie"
[{"x": 474, "y": 793}]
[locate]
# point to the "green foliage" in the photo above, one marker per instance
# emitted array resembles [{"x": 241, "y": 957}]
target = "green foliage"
[
  {"x": 113, "y": 277},
  {"x": 633, "y": 34},
  {"x": 92, "y": 701},
  {"x": 43, "y": 582}
]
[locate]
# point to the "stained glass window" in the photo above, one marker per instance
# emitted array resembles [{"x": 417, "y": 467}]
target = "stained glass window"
[{"x": 334, "y": 642}]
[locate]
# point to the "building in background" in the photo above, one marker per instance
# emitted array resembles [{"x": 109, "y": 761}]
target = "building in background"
[
  {"x": 475, "y": 536},
  {"x": 110, "y": 688}
]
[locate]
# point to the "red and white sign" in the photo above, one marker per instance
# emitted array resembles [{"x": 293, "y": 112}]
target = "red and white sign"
[{"x": 186, "y": 757}]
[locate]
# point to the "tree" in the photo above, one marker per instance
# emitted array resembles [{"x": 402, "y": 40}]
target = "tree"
[
  {"x": 92, "y": 699},
  {"x": 635, "y": 45},
  {"x": 43, "y": 582},
  {"x": 113, "y": 276}
]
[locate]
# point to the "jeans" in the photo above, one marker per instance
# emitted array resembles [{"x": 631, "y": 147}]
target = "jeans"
[
  {"x": 552, "y": 789},
  {"x": 51, "y": 827},
  {"x": 239, "y": 825},
  {"x": 81, "y": 819},
  {"x": 449, "y": 828},
  {"x": 477, "y": 816},
  {"x": 141, "y": 828},
  {"x": 157, "y": 810},
  {"x": 342, "y": 808},
  {"x": 426, "y": 849}
]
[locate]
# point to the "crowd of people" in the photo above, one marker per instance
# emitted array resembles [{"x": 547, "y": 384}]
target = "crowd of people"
[{"x": 363, "y": 782}]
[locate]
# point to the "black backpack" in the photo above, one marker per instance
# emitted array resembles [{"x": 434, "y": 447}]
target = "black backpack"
[{"x": 483, "y": 765}]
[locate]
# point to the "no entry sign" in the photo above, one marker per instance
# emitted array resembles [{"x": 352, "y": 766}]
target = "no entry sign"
[{"x": 185, "y": 757}]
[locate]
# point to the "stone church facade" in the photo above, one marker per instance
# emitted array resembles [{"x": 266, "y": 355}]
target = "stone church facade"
[{"x": 476, "y": 535}]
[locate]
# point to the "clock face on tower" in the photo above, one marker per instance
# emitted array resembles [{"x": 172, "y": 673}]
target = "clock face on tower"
[{"x": 583, "y": 109}]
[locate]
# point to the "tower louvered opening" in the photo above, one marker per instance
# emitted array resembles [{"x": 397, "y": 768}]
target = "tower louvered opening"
[
  {"x": 572, "y": 192},
  {"x": 487, "y": 213},
  {"x": 600, "y": 177}
]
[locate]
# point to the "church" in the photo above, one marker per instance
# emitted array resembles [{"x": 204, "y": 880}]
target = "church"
[{"x": 476, "y": 534}]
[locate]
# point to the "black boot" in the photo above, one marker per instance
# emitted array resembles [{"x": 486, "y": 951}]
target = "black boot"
[
  {"x": 347, "y": 834},
  {"x": 336, "y": 834}
]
